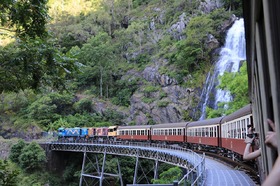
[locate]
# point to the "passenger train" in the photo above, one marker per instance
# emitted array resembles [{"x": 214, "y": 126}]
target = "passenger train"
[{"x": 223, "y": 135}]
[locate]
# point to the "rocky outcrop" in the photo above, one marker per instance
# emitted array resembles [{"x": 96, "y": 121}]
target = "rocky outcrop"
[
  {"x": 169, "y": 108},
  {"x": 208, "y": 5},
  {"x": 176, "y": 30},
  {"x": 5, "y": 147}
]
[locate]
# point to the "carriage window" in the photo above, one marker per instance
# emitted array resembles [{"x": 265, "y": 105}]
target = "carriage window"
[
  {"x": 174, "y": 132},
  {"x": 207, "y": 129},
  {"x": 170, "y": 132},
  {"x": 199, "y": 131},
  {"x": 179, "y": 131}
]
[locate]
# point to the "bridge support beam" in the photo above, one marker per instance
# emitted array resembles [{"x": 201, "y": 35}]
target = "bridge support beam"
[
  {"x": 100, "y": 175},
  {"x": 156, "y": 170},
  {"x": 136, "y": 169}
]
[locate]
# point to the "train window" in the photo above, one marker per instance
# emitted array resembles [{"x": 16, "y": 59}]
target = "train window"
[
  {"x": 207, "y": 131},
  {"x": 179, "y": 131},
  {"x": 211, "y": 132},
  {"x": 174, "y": 132},
  {"x": 170, "y": 132},
  {"x": 202, "y": 131},
  {"x": 243, "y": 129}
]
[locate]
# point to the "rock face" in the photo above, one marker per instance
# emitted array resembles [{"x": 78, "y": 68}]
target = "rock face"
[{"x": 170, "y": 111}]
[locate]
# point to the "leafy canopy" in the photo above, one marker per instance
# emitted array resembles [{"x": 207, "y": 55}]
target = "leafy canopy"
[
  {"x": 8, "y": 175},
  {"x": 24, "y": 17}
]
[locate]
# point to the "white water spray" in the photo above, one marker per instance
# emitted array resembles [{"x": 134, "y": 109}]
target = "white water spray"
[{"x": 230, "y": 56}]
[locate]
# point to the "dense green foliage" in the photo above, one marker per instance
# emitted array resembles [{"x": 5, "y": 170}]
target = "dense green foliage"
[
  {"x": 29, "y": 60},
  {"x": 24, "y": 17},
  {"x": 167, "y": 177},
  {"x": 29, "y": 157},
  {"x": 16, "y": 151},
  {"x": 32, "y": 157},
  {"x": 8, "y": 174}
]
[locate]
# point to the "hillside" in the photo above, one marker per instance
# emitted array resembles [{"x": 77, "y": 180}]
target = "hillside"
[{"x": 139, "y": 62}]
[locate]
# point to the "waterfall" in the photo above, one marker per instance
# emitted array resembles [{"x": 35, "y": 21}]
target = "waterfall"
[{"x": 230, "y": 56}]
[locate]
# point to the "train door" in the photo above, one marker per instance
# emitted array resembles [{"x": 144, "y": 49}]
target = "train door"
[{"x": 218, "y": 133}]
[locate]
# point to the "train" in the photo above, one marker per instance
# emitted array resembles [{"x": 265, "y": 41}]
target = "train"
[{"x": 224, "y": 135}]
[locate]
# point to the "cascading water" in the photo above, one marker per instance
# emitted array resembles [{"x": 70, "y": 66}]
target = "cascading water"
[{"x": 230, "y": 56}]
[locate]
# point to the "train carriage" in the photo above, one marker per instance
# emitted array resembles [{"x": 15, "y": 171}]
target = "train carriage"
[
  {"x": 170, "y": 133},
  {"x": 234, "y": 129},
  {"x": 204, "y": 133},
  {"x": 112, "y": 131},
  {"x": 101, "y": 131},
  {"x": 135, "y": 133}
]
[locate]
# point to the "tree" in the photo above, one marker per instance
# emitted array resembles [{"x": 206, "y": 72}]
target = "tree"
[
  {"x": 32, "y": 60},
  {"x": 32, "y": 157},
  {"x": 167, "y": 177},
  {"x": 24, "y": 17},
  {"x": 32, "y": 64},
  {"x": 8, "y": 175},
  {"x": 16, "y": 151},
  {"x": 98, "y": 57},
  {"x": 192, "y": 54}
]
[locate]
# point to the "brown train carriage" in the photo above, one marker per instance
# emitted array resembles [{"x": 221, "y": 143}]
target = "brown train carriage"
[
  {"x": 205, "y": 132},
  {"x": 170, "y": 132},
  {"x": 234, "y": 129},
  {"x": 101, "y": 131},
  {"x": 137, "y": 133}
]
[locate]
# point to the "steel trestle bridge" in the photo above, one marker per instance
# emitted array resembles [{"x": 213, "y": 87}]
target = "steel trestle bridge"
[{"x": 193, "y": 163}]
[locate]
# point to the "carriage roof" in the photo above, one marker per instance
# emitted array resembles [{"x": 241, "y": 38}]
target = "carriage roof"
[
  {"x": 238, "y": 114},
  {"x": 206, "y": 122}
]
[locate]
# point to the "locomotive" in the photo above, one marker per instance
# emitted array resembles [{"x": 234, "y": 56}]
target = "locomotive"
[{"x": 224, "y": 135}]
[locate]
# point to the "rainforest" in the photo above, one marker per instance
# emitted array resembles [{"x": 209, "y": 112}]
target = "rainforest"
[{"x": 91, "y": 63}]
